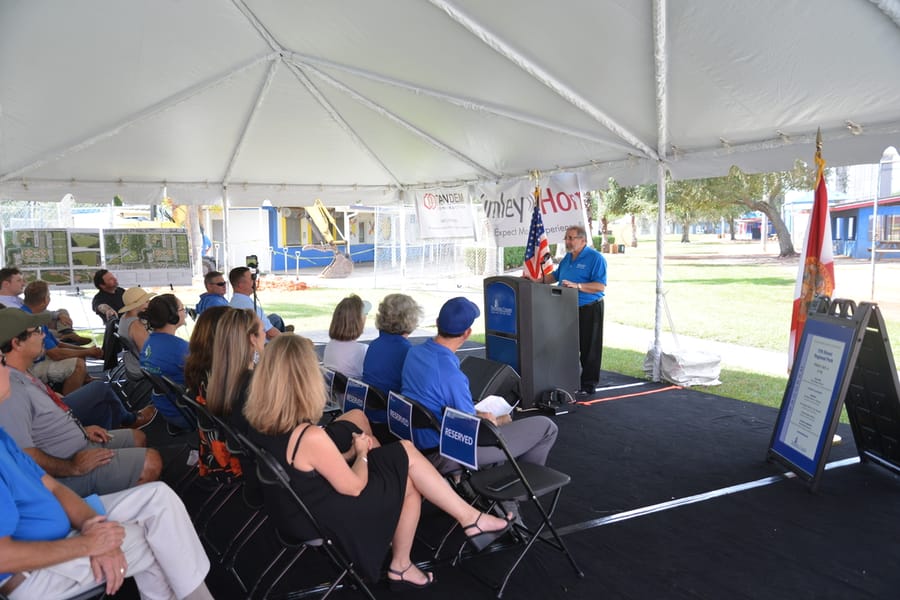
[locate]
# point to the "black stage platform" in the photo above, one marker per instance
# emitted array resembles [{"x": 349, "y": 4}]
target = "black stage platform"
[{"x": 671, "y": 497}]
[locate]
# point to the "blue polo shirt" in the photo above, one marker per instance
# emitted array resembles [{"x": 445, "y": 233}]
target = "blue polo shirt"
[
  {"x": 589, "y": 266},
  {"x": 28, "y": 511},
  {"x": 383, "y": 365},
  {"x": 431, "y": 375}
]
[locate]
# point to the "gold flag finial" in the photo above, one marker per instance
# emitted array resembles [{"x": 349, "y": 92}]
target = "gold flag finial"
[{"x": 820, "y": 162}]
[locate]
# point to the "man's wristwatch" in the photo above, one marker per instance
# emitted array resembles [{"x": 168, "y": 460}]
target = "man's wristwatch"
[{"x": 578, "y": 286}]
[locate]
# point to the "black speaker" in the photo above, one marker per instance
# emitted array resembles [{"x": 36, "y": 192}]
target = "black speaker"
[{"x": 489, "y": 377}]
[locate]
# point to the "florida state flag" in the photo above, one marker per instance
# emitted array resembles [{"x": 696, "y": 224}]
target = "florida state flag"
[{"x": 816, "y": 271}]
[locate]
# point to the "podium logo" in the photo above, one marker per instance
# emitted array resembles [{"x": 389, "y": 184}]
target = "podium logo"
[{"x": 499, "y": 309}]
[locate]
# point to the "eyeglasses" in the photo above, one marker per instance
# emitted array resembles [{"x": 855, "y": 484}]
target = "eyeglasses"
[
  {"x": 28, "y": 333},
  {"x": 219, "y": 283}
]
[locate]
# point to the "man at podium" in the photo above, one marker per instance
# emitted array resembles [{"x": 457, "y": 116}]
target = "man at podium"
[{"x": 584, "y": 269}]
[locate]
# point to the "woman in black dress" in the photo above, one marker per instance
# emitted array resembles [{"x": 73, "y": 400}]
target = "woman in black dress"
[{"x": 367, "y": 497}]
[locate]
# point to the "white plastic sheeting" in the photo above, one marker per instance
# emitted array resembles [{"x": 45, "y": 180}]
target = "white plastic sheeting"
[{"x": 354, "y": 100}]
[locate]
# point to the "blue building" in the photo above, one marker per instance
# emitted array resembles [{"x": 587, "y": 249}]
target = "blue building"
[{"x": 851, "y": 227}]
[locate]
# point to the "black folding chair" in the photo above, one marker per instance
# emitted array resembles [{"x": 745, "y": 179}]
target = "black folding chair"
[
  {"x": 276, "y": 484},
  {"x": 244, "y": 487},
  {"x": 163, "y": 386},
  {"x": 111, "y": 345},
  {"x": 335, "y": 387},
  {"x": 134, "y": 388},
  {"x": 507, "y": 482},
  {"x": 359, "y": 394}
]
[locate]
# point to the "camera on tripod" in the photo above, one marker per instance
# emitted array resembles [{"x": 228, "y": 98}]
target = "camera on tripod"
[{"x": 252, "y": 262}]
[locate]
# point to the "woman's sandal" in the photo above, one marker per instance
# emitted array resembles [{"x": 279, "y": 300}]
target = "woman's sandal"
[
  {"x": 482, "y": 539},
  {"x": 398, "y": 585}
]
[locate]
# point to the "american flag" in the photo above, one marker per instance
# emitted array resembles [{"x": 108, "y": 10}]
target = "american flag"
[{"x": 537, "y": 251}]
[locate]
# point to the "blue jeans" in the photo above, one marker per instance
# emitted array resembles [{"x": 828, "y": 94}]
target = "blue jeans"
[{"x": 97, "y": 404}]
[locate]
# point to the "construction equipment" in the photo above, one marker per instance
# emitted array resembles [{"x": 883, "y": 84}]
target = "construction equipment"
[{"x": 328, "y": 235}]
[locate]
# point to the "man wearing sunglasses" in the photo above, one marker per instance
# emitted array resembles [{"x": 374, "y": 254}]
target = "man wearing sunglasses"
[
  {"x": 54, "y": 544},
  {"x": 87, "y": 458},
  {"x": 216, "y": 287}
]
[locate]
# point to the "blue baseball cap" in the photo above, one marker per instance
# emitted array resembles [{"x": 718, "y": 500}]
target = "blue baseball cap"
[{"x": 457, "y": 315}]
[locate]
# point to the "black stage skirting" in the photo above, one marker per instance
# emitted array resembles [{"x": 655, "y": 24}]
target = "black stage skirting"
[{"x": 637, "y": 454}]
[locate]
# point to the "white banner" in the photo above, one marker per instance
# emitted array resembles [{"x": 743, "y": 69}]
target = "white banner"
[
  {"x": 508, "y": 208},
  {"x": 445, "y": 214}
]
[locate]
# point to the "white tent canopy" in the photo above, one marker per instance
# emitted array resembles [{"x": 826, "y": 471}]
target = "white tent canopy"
[{"x": 355, "y": 100}]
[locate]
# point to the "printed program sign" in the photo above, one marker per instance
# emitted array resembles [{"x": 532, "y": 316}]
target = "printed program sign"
[{"x": 812, "y": 394}]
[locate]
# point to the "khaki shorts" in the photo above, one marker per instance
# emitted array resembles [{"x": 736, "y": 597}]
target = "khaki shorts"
[
  {"x": 122, "y": 473},
  {"x": 54, "y": 371}
]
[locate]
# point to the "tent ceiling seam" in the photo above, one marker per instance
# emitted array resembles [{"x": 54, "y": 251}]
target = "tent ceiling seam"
[
  {"x": 258, "y": 26},
  {"x": 160, "y": 107},
  {"x": 399, "y": 121},
  {"x": 462, "y": 102},
  {"x": 541, "y": 75},
  {"x": 314, "y": 91},
  {"x": 260, "y": 98},
  {"x": 891, "y": 8}
]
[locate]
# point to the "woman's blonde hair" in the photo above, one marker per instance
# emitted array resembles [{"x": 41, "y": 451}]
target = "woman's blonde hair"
[
  {"x": 348, "y": 320},
  {"x": 288, "y": 387},
  {"x": 231, "y": 358}
]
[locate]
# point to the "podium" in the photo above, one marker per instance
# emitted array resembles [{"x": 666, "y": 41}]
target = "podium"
[{"x": 533, "y": 328}]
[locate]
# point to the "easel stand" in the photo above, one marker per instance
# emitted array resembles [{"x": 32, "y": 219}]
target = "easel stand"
[{"x": 844, "y": 359}]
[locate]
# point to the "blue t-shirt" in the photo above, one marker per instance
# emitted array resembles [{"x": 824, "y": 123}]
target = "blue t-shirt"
[
  {"x": 383, "y": 365},
  {"x": 431, "y": 375},
  {"x": 50, "y": 341},
  {"x": 165, "y": 354},
  {"x": 589, "y": 266},
  {"x": 28, "y": 510},
  {"x": 208, "y": 300}
]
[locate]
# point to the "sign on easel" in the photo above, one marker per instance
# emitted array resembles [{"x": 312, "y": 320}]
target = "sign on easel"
[{"x": 811, "y": 406}]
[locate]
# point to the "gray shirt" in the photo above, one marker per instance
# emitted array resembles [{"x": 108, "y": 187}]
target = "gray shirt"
[{"x": 33, "y": 420}]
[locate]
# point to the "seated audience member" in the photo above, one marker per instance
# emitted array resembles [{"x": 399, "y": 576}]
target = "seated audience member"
[
  {"x": 343, "y": 353},
  {"x": 95, "y": 403},
  {"x": 215, "y": 292},
  {"x": 109, "y": 297},
  {"x": 62, "y": 363},
  {"x": 88, "y": 459},
  {"x": 215, "y": 459},
  {"x": 431, "y": 375},
  {"x": 367, "y": 496},
  {"x": 133, "y": 330},
  {"x": 243, "y": 284},
  {"x": 12, "y": 284},
  {"x": 164, "y": 353},
  {"x": 398, "y": 316},
  {"x": 201, "y": 346},
  {"x": 240, "y": 342},
  {"x": 42, "y": 557}
]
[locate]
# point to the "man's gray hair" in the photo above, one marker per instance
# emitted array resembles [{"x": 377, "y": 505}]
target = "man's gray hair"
[{"x": 579, "y": 230}]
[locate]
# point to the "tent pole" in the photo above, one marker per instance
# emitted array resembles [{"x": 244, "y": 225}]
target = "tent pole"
[
  {"x": 661, "y": 64},
  {"x": 660, "y": 257},
  {"x": 226, "y": 262}
]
